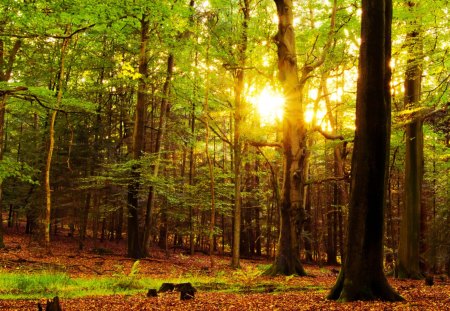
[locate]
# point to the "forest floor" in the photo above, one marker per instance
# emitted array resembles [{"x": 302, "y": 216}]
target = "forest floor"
[{"x": 220, "y": 288}]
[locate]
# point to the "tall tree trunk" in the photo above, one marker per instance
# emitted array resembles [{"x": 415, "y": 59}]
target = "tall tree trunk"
[
  {"x": 134, "y": 244},
  {"x": 210, "y": 166},
  {"x": 409, "y": 245},
  {"x": 191, "y": 180},
  {"x": 362, "y": 276},
  {"x": 238, "y": 115},
  {"x": 340, "y": 187},
  {"x": 2, "y": 135},
  {"x": 6, "y": 67},
  {"x": 48, "y": 204},
  {"x": 163, "y": 115},
  {"x": 287, "y": 260}
]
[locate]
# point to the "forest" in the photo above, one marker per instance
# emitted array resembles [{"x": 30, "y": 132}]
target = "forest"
[{"x": 250, "y": 154}]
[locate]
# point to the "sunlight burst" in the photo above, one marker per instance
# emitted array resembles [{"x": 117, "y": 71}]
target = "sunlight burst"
[{"x": 270, "y": 105}]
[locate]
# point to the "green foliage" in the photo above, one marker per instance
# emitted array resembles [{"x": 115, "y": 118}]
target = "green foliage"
[
  {"x": 246, "y": 276},
  {"x": 34, "y": 285},
  {"x": 10, "y": 168},
  {"x": 128, "y": 281}
]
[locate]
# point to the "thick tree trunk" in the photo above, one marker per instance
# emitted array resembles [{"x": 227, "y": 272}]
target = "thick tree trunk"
[
  {"x": 134, "y": 243},
  {"x": 287, "y": 260},
  {"x": 362, "y": 276},
  {"x": 409, "y": 246}
]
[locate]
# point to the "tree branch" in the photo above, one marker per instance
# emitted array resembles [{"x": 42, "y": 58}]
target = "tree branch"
[
  {"x": 328, "y": 179},
  {"x": 328, "y": 135},
  {"x": 259, "y": 144},
  {"x": 433, "y": 112},
  {"x": 34, "y": 35},
  {"x": 222, "y": 136}
]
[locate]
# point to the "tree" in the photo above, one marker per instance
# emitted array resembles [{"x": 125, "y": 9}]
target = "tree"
[
  {"x": 292, "y": 214},
  {"x": 287, "y": 260},
  {"x": 238, "y": 121},
  {"x": 362, "y": 276},
  {"x": 51, "y": 145},
  {"x": 6, "y": 66},
  {"x": 135, "y": 249},
  {"x": 409, "y": 244}
]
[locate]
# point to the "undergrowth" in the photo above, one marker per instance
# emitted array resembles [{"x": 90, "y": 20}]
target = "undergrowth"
[{"x": 49, "y": 284}]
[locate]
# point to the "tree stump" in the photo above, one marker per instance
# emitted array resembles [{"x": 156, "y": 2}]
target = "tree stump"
[
  {"x": 152, "y": 293},
  {"x": 166, "y": 287},
  {"x": 187, "y": 291},
  {"x": 52, "y": 305}
]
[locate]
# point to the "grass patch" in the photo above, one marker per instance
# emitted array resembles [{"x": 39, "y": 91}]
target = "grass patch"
[{"x": 50, "y": 284}]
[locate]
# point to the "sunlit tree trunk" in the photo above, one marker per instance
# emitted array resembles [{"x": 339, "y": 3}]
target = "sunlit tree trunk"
[
  {"x": 48, "y": 204},
  {"x": 362, "y": 276},
  {"x": 238, "y": 115},
  {"x": 409, "y": 244},
  {"x": 287, "y": 260},
  {"x": 211, "y": 174}
]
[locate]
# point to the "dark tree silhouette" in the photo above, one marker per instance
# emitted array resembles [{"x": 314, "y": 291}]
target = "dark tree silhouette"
[{"x": 362, "y": 276}]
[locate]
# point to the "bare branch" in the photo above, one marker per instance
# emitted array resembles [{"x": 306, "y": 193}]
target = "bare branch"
[
  {"x": 328, "y": 135},
  {"x": 217, "y": 131}
]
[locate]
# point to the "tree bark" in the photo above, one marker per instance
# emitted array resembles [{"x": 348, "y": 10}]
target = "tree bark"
[
  {"x": 6, "y": 67},
  {"x": 163, "y": 115},
  {"x": 2, "y": 134},
  {"x": 409, "y": 244},
  {"x": 134, "y": 243},
  {"x": 191, "y": 179},
  {"x": 287, "y": 260},
  {"x": 238, "y": 115},
  {"x": 362, "y": 276},
  {"x": 210, "y": 163},
  {"x": 48, "y": 201}
]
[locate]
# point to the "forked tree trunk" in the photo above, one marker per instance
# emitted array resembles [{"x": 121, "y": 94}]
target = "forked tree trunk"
[
  {"x": 362, "y": 276},
  {"x": 287, "y": 260}
]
